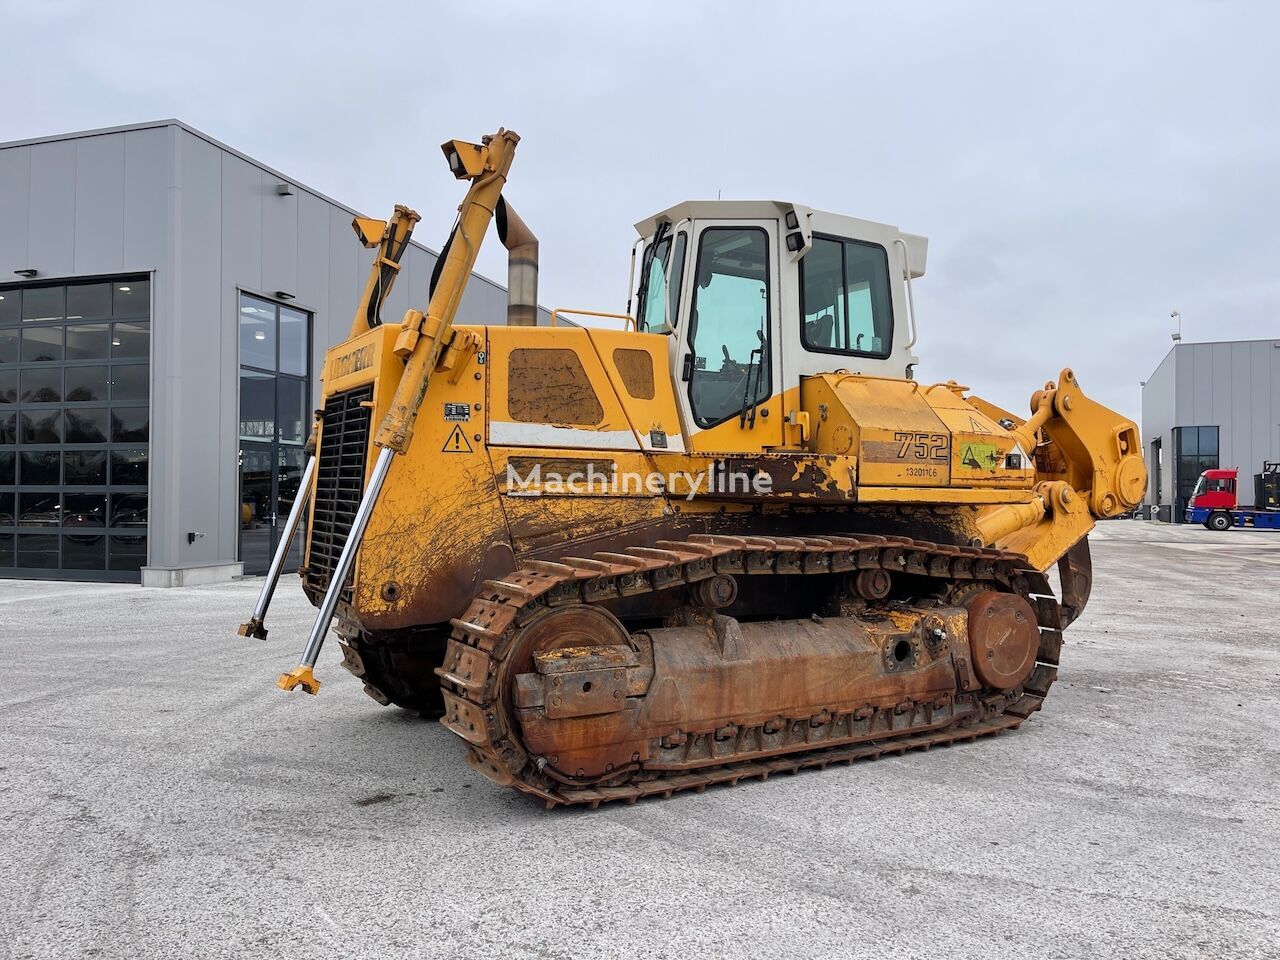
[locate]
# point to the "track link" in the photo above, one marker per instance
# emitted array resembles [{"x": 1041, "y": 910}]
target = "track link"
[{"x": 472, "y": 678}]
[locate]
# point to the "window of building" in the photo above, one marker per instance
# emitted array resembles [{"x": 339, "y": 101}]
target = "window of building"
[
  {"x": 729, "y": 325},
  {"x": 845, "y": 303},
  {"x": 1196, "y": 451},
  {"x": 74, "y": 428},
  {"x": 275, "y": 421}
]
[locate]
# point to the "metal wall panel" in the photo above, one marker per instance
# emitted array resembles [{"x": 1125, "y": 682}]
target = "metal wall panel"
[
  {"x": 15, "y": 203},
  {"x": 50, "y": 243},
  {"x": 348, "y": 265},
  {"x": 279, "y": 238},
  {"x": 99, "y": 217},
  {"x": 1158, "y": 419},
  {"x": 148, "y": 175},
  {"x": 199, "y": 416},
  {"x": 313, "y": 275}
]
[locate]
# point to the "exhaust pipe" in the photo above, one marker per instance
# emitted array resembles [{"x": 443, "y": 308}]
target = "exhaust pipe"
[{"x": 522, "y": 266}]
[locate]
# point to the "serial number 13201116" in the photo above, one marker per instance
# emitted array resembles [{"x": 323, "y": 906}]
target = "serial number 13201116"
[{"x": 923, "y": 446}]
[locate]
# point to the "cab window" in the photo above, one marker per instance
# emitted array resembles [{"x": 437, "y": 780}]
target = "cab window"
[
  {"x": 662, "y": 292},
  {"x": 845, "y": 305},
  {"x": 728, "y": 366}
]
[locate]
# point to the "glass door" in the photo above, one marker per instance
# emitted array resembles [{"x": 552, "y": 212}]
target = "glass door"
[{"x": 275, "y": 389}]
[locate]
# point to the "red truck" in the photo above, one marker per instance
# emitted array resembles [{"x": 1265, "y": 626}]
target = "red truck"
[{"x": 1215, "y": 504}]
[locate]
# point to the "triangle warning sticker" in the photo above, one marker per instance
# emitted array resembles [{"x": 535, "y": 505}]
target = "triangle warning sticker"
[{"x": 456, "y": 442}]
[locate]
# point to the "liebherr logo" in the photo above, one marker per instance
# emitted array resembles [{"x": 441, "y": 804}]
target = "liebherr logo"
[{"x": 352, "y": 362}]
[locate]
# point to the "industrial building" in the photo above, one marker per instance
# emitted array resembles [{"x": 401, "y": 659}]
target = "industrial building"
[
  {"x": 1210, "y": 405},
  {"x": 165, "y": 305}
]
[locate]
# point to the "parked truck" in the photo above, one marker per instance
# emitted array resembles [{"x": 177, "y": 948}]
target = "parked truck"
[{"x": 1214, "y": 501}]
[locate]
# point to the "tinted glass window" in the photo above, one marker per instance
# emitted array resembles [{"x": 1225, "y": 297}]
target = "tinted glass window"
[
  {"x": 88, "y": 341},
  {"x": 8, "y": 468},
  {"x": 127, "y": 553},
  {"x": 83, "y": 551},
  {"x": 129, "y": 467},
  {"x": 8, "y": 429},
  {"x": 257, "y": 333},
  {"x": 41, "y": 343},
  {"x": 43, "y": 303},
  {"x": 84, "y": 510},
  {"x": 10, "y": 305},
  {"x": 88, "y": 300},
  {"x": 729, "y": 327},
  {"x": 38, "y": 551},
  {"x": 7, "y": 508},
  {"x": 845, "y": 303},
  {"x": 257, "y": 406},
  {"x": 40, "y": 468},
  {"x": 131, "y": 340},
  {"x": 39, "y": 509},
  {"x": 292, "y": 413},
  {"x": 129, "y": 424},
  {"x": 9, "y": 351},
  {"x": 128, "y": 510},
  {"x": 87, "y": 384},
  {"x": 131, "y": 298},
  {"x": 87, "y": 425},
  {"x": 294, "y": 340},
  {"x": 41, "y": 385},
  {"x": 42, "y": 426},
  {"x": 129, "y": 381},
  {"x": 9, "y": 386},
  {"x": 87, "y": 468}
]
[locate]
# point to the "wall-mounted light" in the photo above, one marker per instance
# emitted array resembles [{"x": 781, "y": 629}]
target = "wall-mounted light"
[
  {"x": 115, "y": 341},
  {"x": 123, "y": 289},
  {"x": 282, "y": 295},
  {"x": 259, "y": 335},
  {"x": 284, "y": 189},
  {"x": 27, "y": 272}
]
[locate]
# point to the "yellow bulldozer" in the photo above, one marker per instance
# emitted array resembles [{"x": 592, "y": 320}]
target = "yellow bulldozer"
[{"x": 734, "y": 537}]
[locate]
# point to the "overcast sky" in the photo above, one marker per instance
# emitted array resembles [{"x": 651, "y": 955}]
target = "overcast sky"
[{"x": 1080, "y": 169}]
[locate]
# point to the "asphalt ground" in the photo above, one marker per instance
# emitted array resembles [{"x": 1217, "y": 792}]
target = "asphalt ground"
[{"x": 162, "y": 798}]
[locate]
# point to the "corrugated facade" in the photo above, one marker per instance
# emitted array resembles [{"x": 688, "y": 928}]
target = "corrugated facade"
[
  {"x": 1232, "y": 389},
  {"x": 206, "y": 224}
]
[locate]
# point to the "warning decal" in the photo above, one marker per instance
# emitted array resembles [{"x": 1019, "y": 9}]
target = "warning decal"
[
  {"x": 457, "y": 442},
  {"x": 980, "y": 456}
]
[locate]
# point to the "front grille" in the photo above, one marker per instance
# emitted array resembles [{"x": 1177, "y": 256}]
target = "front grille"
[{"x": 344, "y": 448}]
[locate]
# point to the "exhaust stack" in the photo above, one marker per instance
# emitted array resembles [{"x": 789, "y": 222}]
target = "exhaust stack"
[{"x": 522, "y": 267}]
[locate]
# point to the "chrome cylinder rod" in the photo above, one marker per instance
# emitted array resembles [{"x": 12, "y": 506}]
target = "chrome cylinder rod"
[
  {"x": 255, "y": 628},
  {"x": 303, "y": 675}
]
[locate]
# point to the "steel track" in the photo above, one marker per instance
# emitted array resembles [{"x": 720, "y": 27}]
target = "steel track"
[{"x": 474, "y": 683}]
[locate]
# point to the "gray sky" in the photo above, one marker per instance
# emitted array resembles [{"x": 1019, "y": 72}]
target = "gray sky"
[{"x": 1080, "y": 168}]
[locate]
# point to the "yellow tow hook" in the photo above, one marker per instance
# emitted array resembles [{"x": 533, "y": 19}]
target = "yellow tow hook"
[{"x": 299, "y": 677}]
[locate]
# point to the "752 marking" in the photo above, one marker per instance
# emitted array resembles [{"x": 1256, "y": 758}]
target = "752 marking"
[{"x": 923, "y": 446}]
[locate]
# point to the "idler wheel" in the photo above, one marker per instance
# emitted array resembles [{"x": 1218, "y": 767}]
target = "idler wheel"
[{"x": 1003, "y": 638}]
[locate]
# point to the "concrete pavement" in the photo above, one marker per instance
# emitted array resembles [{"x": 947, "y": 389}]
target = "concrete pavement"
[{"x": 163, "y": 799}]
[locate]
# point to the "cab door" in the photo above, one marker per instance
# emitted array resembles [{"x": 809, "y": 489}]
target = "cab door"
[{"x": 728, "y": 363}]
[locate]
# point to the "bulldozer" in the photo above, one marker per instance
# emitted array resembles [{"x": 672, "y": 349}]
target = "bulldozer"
[{"x": 725, "y": 536}]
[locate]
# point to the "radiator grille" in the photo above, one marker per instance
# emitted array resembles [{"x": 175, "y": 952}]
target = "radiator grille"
[{"x": 344, "y": 448}]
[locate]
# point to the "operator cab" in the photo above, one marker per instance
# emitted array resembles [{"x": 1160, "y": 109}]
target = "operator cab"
[{"x": 756, "y": 294}]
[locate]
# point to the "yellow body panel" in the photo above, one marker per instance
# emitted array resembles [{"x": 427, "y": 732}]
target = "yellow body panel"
[
  {"x": 636, "y": 364},
  {"x": 584, "y": 408}
]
